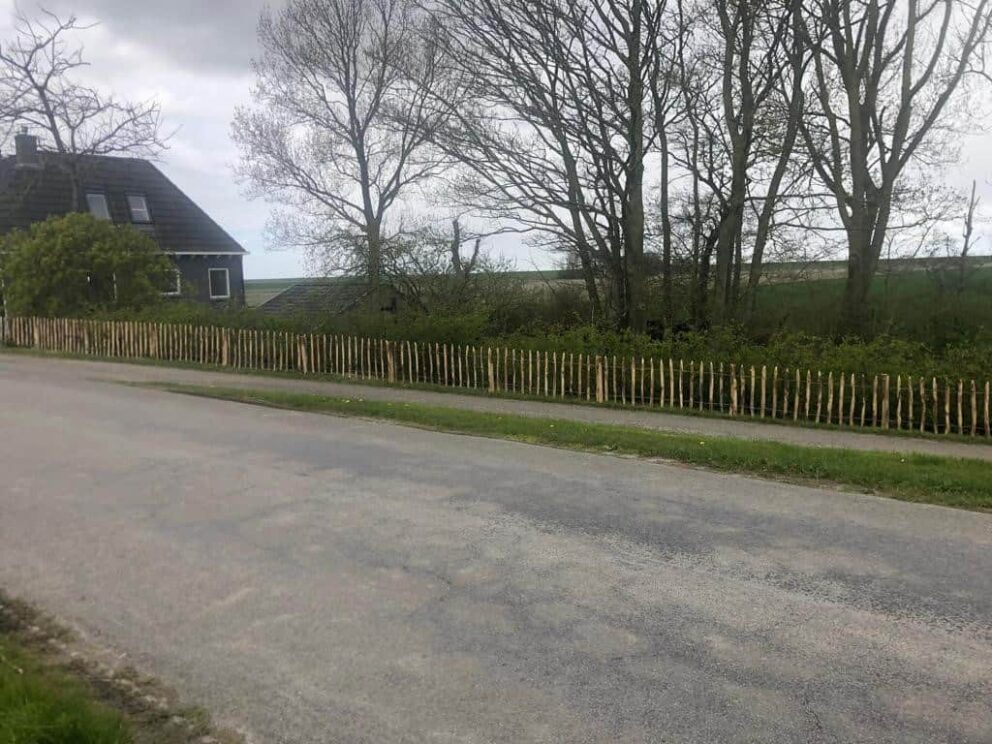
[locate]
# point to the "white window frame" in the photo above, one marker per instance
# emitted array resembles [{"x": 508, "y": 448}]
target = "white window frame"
[
  {"x": 179, "y": 285},
  {"x": 147, "y": 215},
  {"x": 210, "y": 284},
  {"x": 106, "y": 205}
]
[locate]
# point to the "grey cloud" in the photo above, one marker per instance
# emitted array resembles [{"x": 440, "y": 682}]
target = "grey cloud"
[{"x": 207, "y": 35}]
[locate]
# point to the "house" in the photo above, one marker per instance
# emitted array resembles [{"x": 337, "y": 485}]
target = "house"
[{"x": 36, "y": 185}]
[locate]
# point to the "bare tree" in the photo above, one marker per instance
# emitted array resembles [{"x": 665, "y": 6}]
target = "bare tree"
[
  {"x": 341, "y": 123},
  {"x": 433, "y": 269},
  {"x": 753, "y": 34},
  {"x": 737, "y": 139},
  {"x": 948, "y": 261},
  {"x": 554, "y": 126},
  {"x": 669, "y": 111},
  {"x": 39, "y": 90},
  {"x": 968, "y": 234},
  {"x": 883, "y": 76}
]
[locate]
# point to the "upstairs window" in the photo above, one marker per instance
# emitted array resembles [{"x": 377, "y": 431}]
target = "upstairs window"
[
  {"x": 220, "y": 284},
  {"x": 139, "y": 208},
  {"x": 98, "y": 205}
]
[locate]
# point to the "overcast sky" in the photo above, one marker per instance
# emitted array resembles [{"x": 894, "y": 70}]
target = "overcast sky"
[{"x": 194, "y": 55}]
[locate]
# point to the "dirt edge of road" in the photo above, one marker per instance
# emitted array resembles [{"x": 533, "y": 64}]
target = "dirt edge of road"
[{"x": 152, "y": 709}]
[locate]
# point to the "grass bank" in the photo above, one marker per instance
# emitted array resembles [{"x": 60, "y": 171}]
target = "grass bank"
[
  {"x": 41, "y": 705},
  {"x": 909, "y": 477},
  {"x": 54, "y": 690}
]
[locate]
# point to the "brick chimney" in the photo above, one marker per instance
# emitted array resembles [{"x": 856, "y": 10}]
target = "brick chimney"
[{"x": 27, "y": 150}]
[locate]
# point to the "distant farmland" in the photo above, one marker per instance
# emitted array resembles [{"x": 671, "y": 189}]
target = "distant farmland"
[
  {"x": 260, "y": 291},
  {"x": 911, "y": 298}
]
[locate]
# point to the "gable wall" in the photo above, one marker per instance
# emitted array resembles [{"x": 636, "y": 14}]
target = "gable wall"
[{"x": 195, "y": 281}]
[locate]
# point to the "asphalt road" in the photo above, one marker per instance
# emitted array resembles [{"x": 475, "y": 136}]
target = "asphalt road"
[{"x": 313, "y": 579}]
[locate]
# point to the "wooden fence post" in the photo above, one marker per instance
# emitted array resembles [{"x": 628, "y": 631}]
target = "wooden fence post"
[
  {"x": 874, "y": 403},
  {"x": 775, "y": 392},
  {"x": 721, "y": 387},
  {"x": 661, "y": 383},
  {"x": 910, "y": 404},
  {"x": 819, "y": 394},
  {"x": 754, "y": 382},
  {"x": 733, "y": 389},
  {"x": 948, "y": 428},
  {"x": 885, "y": 402},
  {"x": 974, "y": 408},
  {"x": 961, "y": 407},
  {"x": 853, "y": 403},
  {"x": 899, "y": 402},
  {"x": 491, "y": 370}
]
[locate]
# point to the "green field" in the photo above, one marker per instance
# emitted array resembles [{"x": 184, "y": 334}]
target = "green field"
[
  {"x": 260, "y": 291},
  {"x": 907, "y": 301},
  {"x": 910, "y": 305}
]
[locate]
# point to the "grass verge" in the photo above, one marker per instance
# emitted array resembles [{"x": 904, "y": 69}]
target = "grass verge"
[
  {"x": 55, "y": 690},
  {"x": 910, "y": 477},
  {"x": 41, "y": 704}
]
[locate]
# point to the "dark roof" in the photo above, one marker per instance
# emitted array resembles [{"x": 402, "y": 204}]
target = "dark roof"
[
  {"x": 324, "y": 297},
  {"x": 29, "y": 195}
]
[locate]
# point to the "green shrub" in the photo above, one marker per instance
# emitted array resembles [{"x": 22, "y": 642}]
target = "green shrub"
[
  {"x": 74, "y": 265},
  {"x": 884, "y": 354}
]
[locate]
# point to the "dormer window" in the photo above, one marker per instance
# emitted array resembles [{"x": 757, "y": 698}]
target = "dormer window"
[
  {"x": 98, "y": 205},
  {"x": 139, "y": 209}
]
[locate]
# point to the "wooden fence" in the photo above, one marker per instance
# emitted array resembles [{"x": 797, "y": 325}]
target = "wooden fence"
[{"x": 900, "y": 402}]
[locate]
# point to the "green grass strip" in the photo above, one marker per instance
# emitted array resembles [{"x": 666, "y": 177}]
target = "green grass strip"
[
  {"x": 910, "y": 477},
  {"x": 40, "y": 705}
]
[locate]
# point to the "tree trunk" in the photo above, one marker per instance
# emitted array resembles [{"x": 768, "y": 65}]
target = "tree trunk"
[
  {"x": 633, "y": 213},
  {"x": 854, "y": 311},
  {"x": 589, "y": 277},
  {"x": 729, "y": 233},
  {"x": 702, "y": 293},
  {"x": 666, "y": 236},
  {"x": 456, "y": 247},
  {"x": 374, "y": 275},
  {"x": 795, "y": 111}
]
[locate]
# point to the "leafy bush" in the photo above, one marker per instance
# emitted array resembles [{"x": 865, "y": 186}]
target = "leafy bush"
[
  {"x": 731, "y": 344},
  {"x": 73, "y": 265},
  {"x": 559, "y": 319}
]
